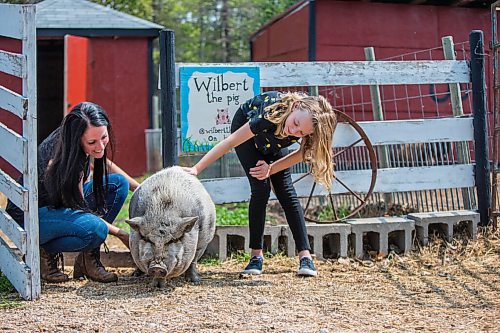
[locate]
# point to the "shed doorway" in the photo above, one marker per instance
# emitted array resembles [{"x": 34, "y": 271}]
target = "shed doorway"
[{"x": 50, "y": 83}]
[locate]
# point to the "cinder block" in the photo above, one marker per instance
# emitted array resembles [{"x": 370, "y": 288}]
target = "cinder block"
[
  {"x": 218, "y": 246},
  {"x": 319, "y": 231},
  {"x": 447, "y": 219},
  {"x": 382, "y": 226}
]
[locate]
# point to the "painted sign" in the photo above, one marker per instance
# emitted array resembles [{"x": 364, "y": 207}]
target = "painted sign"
[{"x": 210, "y": 97}]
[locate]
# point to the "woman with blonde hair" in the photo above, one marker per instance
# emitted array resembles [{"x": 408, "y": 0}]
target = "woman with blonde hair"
[{"x": 262, "y": 129}]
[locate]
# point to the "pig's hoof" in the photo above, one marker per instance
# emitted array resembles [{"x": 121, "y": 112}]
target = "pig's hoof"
[
  {"x": 192, "y": 277},
  {"x": 158, "y": 283},
  {"x": 137, "y": 273}
]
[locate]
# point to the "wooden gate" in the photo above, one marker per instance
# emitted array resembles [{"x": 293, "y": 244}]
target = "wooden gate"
[{"x": 20, "y": 262}]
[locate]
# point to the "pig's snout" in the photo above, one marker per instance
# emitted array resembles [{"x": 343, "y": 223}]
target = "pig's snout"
[{"x": 157, "y": 270}]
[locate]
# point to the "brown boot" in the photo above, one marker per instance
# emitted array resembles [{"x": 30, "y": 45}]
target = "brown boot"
[
  {"x": 48, "y": 267},
  {"x": 88, "y": 264}
]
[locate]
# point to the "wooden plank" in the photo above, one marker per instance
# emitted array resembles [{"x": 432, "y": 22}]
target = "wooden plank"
[
  {"x": 237, "y": 189},
  {"x": 340, "y": 73},
  {"x": 11, "y": 17},
  {"x": 13, "y": 148},
  {"x": 12, "y": 63},
  {"x": 15, "y": 192},
  {"x": 30, "y": 173},
  {"x": 13, "y": 102},
  {"x": 407, "y": 131},
  {"x": 12, "y": 230},
  {"x": 15, "y": 270}
]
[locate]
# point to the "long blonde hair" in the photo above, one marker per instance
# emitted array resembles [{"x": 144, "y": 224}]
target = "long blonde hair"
[{"x": 317, "y": 146}]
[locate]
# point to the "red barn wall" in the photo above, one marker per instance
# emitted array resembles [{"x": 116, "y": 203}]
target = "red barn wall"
[
  {"x": 118, "y": 81},
  {"x": 345, "y": 28},
  {"x": 15, "y": 84},
  {"x": 284, "y": 40}
]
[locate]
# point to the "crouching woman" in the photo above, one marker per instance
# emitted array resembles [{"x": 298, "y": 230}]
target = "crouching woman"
[{"x": 75, "y": 213}]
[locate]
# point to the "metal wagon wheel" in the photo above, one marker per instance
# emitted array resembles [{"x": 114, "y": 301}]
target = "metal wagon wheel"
[{"x": 360, "y": 197}]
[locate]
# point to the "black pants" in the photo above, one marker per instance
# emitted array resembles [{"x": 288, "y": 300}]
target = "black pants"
[{"x": 261, "y": 189}]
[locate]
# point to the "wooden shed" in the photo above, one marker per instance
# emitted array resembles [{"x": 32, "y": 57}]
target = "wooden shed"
[
  {"x": 340, "y": 30},
  {"x": 328, "y": 30},
  {"x": 86, "y": 51}
]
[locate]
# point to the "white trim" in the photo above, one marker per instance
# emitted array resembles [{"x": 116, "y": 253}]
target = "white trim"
[
  {"x": 13, "y": 102},
  {"x": 13, "y": 148},
  {"x": 237, "y": 189},
  {"x": 390, "y": 132},
  {"x": 30, "y": 171},
  {"x": 12, "y": 63},
  {"x": 15, "y": 270},
  {"x": 15, "y": 192},
  {"x": 340, "y": 73},
  {"x": 11, "y": 17},
  {"x": 12, "y": 230}
]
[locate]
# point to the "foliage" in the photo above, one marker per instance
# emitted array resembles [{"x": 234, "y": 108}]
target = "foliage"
[
  {"x": 205, "y": 31},
  {"x": 232, "y": 214},
  {"x": 326, "y": 214},
  {"x": 209, "y": 261},
  {"x": 139, "y": 8},
  {"x": 5, "y": 285},
  {"x": 8, "y": 298},
  {"x": 123, "y": 214},
  {"x": 216, "y": 30}
]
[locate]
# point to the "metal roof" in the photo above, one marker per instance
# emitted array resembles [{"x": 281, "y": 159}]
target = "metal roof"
[{"x": 85, "y": 18}]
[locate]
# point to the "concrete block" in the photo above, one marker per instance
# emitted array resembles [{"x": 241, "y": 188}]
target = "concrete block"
[
  {"x": 382, "y": 226},
  {"x": 447, "y": 220},
  {"x": 219, "y": 245},
  {"x": 337, "y": 245}
]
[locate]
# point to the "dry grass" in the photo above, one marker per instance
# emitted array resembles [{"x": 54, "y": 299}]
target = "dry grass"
[{"x": 443, "y": 287}]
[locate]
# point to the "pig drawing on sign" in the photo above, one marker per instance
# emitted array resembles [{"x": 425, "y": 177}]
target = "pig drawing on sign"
[
  {"x": 172, "y": 219},
  {"x": 222, "y": 117}
]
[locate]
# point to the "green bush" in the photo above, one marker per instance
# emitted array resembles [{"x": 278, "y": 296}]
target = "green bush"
[
  {"x": 5, "y": 285},
  {"x": 8, "y": 297},
  {"x": 232, "y": 214}
]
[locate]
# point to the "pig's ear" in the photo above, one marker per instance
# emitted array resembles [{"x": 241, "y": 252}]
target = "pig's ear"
[
  {"x": 187, "y": 223},
  {"x": 135, "y": 222}
]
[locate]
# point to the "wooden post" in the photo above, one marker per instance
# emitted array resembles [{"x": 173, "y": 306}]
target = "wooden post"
[
  {"x": 168, "y": 98},
  {"x": 463, "y": 154},
  {"x": 378, "y": 114},
  {"x": 30, "y": 172},
  {"x": 482, "y": 174}
]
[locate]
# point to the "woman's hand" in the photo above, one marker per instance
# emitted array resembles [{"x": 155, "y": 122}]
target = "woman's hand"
[
  {"x": 261, "y": 170},
  {"x": 192, "y": 171},
  {"x": 124, "y": 237}
]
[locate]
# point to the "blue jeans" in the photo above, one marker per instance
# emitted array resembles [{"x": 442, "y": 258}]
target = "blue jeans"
[{"x": 70, "y": 230}]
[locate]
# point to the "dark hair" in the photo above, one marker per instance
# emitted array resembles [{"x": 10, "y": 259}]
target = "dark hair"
[{"x": 68, "y": 164}]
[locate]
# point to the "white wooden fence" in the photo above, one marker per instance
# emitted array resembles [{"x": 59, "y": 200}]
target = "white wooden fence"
[
  {"x": 380, "y": 133},
  {"x": 22, "y": 266}
]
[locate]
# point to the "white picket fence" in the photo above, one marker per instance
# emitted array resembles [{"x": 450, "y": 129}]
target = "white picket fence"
[{"x": 22, "y": 265}]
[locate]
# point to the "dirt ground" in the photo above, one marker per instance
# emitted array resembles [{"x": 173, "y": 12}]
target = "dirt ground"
[{"x": 445, "y": 287}]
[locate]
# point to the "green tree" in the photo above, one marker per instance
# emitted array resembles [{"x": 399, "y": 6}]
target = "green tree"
[
  {"x": 205, "y": 30},
  {"x": 139, "y": 8},
  {"x": 216, "y": 30}
]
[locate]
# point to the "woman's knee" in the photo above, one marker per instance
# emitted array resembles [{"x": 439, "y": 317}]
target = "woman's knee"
[
  {"x": 97, "y": 232},
  {"x": 260, "y": 192}
]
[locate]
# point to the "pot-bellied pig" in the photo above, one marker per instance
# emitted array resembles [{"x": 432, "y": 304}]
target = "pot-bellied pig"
[{"x": 172, "y": 220}]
